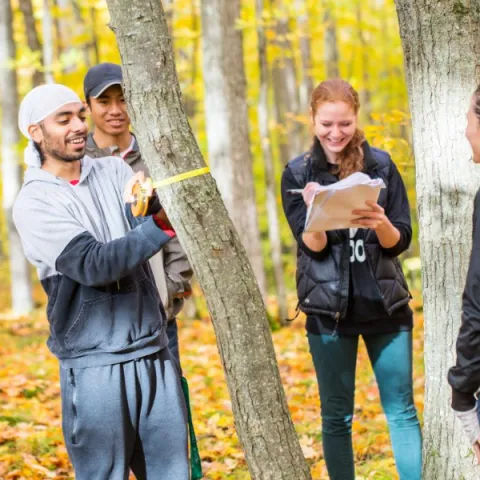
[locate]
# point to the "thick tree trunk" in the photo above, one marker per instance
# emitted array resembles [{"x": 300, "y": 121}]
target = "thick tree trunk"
[
  {"x": 441, "y": 53},
  {"x": 271, "y": 184},
  {"x": 21, "y": 290},
  {"x": 48, "y": 53},
  {"x": 220, "y": 263},
  {"x": 227, "y": 123},
  {"x": 330, "y": 42},
  {"x": 32, "y": 37}
]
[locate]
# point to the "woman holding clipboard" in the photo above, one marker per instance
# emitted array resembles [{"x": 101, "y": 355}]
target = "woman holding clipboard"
[{"x": 350, "y": 283}]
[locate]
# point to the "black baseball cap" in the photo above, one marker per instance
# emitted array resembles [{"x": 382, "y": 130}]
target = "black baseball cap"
[{"x": 100, "y": 77}]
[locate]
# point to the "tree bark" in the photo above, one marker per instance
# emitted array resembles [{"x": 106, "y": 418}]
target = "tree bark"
[
  {"x": 80, "y": 27},
  {"x": 21, "y": 291},
  {"x": 94, "y": 41},
  {"x": 441, "y": 47},
  {"x": 218, "y": 258},
  {"x": 48, "y": 53},
  {"x": 32, "y": 38},
  {"x": 292, "y": 138},
  {"x": 306, "y": 85},
  {"x": 330, "y": 43},
  {"x": 271, "y": 184},
  {"x": 365, "y": 98},
  {"x": 227, "y": 123}
]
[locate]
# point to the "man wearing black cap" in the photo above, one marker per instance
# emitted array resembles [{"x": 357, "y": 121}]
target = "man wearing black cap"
[{"x": 112, "y": 136}]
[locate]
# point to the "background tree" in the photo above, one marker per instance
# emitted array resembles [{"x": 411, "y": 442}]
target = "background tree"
[
  {"x": 48, "y": 41},
  {"x": 214, "y": 249},
  {"x": 21, "y": 291},
  {"x": 269, "y": 162},
  {"x": 285, "y": 86},
  {"x": 32, "y": 39},
  {"x": 441, "y": 47},
  {"x": 331, "y": 48},
  {"x": 227, "y": 125}
]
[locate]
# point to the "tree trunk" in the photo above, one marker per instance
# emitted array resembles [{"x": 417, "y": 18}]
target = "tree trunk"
[
  {"x": 306, "y": 85},
  {"x": 21, "y": 291},
  {"x": 441, "y": 54},
  {"x": 330, "y": 43},
  {"x": 32, "y": 37},
  {"x": 47, "y": 29},
  {"x": 79, "y": 26},
  {"x": 365, "y": 99},
  {"x": 218, "y": 258},
  {"x": 94, "y": 41},
  {"x": 227, "y": 123},
  {"x": 292, "y": 138},
  {"x": 271, "y": 185}
]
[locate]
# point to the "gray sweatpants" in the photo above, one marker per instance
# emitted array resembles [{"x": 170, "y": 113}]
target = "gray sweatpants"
[{"x": 128, "y": 415}]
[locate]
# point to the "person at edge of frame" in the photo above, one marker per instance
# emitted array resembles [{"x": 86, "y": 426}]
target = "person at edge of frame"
[{"x": 464, "y": 376}]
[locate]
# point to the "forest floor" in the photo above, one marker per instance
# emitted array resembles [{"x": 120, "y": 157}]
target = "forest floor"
[{"x": 31, "y": 443}]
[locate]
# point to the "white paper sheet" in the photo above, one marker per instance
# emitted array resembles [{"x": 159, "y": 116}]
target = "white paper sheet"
[{"x": 333, "y": 204}]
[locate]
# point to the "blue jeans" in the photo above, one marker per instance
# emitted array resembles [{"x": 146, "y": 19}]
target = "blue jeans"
[{"x": 391, "y": 357}]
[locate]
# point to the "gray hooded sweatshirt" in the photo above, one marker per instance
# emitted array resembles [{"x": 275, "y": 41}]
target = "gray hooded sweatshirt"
[{"x": 92, "y": 256}]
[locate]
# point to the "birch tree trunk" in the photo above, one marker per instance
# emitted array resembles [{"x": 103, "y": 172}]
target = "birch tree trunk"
[
  {"x": 48, "y": 52},
  {"x": 270, "y": 183},
  {"x": 216, "y": 254},
  {"x": 441, "y": 46},
  {"x": 32, "y": 38},
  {"x": 306, "y": 85},
  {"x": 21, "y": 290},
  {"x": 227, "y": 123}
]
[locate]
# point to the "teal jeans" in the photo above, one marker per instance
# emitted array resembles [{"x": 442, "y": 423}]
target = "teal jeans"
[{"x": 334, "y": 358}]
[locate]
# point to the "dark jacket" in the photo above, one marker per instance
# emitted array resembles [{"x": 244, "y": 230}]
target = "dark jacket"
[
  {"x": 464, "y": 377},
  {"x": 170, "y": 266},
  {"x": 323, "y": 277}
]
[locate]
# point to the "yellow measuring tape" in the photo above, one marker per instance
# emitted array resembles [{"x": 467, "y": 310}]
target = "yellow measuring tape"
[
  {"x": 140, "y": 206},
  {"x": 181, "y": 176}
]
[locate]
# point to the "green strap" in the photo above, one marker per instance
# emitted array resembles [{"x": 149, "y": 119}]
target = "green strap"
[{"x": 195, "y": 461}]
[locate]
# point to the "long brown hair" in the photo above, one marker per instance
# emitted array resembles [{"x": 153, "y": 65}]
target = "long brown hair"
[{"x": 350, "y": 159}]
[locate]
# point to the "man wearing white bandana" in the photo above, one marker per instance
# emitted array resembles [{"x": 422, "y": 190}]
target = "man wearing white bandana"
[{"x": 122, "y": 403}]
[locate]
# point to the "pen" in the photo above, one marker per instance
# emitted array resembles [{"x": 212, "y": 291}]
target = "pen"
[{"x": 295, "y": 191}]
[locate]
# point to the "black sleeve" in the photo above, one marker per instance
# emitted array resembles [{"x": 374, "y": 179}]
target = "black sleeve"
[
  {"x": 154, "y": 205},
  {"x": 464, "y": 377},
  {"x": 94, "y": 264},
  {"x": 296, "y": 212},
  {"x": 398, "y": 212}
]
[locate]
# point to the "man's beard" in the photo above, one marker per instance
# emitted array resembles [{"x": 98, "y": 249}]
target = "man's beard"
[
  {"x": 64, "y": 157},
  {"x": 51, "y": 149}
]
